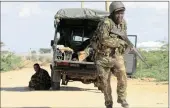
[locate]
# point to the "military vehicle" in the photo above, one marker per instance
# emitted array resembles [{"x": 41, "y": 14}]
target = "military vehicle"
[{"x": 74, "y": 28}]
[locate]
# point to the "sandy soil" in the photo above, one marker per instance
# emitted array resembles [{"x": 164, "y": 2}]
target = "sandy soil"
[{"x": 14, "y": 93}]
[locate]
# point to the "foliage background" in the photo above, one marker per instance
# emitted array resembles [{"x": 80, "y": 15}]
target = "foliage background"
[{"x": 158, "y": 61}]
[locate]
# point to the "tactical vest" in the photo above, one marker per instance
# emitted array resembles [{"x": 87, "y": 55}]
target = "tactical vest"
[{"x": 95, "y": 40}]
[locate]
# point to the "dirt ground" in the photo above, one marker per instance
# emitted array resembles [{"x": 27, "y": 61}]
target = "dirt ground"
[{"x": 14, "y": 93}]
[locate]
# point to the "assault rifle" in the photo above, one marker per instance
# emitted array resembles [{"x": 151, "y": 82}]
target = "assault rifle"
[{"x": 130, "y": 45}]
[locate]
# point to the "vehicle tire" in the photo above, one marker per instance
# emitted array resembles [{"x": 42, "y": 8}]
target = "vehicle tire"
[
  {"x": 55, "y": 85},
  {"x": 55, "y": 80}
]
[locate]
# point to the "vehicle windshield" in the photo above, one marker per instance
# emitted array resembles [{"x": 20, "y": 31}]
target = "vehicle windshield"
[{"x": 78, "y": 35}]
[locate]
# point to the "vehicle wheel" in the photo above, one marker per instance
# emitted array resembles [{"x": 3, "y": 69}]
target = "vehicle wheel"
[
  {"x": 55, "y": 85},
  {"x": 55, "y": 80}
]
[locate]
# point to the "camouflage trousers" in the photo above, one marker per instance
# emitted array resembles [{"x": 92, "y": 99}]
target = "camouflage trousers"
[{"x": 119, "y": 71}]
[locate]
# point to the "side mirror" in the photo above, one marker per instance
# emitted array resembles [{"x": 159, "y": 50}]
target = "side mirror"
[{"x": 52, "y": 42}]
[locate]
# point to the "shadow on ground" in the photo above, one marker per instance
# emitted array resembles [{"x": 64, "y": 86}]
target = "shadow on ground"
[
  {"x": 68, "y": 88},
  {"x": 16, "y": 89},
  {"x": 63, "y": 88}
]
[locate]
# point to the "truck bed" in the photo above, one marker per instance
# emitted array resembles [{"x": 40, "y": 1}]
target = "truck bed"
[
  {"x": 83, "y": 67},
  {"x": 75, "y": 66}
]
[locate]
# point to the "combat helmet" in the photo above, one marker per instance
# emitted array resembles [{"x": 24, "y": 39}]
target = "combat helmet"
[{"x": 116, "y": 6}]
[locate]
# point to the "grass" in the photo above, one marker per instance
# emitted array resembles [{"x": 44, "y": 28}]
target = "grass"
[
  {"x": 156, "y": 74},
  {"x": 158, "y": 61},
  {"x": 10, "y": 61}
]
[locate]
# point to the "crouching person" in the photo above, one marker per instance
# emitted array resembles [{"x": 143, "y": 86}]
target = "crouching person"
[{"x": 40, "y": 80}]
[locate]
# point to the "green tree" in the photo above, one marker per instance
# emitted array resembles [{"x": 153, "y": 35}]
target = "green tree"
[{"x": 9, "y": 60}]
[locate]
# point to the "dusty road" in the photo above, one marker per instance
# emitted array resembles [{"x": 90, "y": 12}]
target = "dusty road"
[{"x": 14, "y": 93}]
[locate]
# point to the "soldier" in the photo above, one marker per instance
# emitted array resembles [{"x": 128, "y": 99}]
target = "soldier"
[
  {"x": 40, "y": 80},
  {"x": 109, "y": 52}
]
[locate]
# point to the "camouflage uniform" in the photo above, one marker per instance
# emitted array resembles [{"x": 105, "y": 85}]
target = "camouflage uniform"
[
  {"x": 40, "y": 80},
  {"x": 108, "y": 58}
]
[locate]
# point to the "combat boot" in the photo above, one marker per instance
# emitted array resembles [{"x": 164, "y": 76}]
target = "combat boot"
[
  {"x": 108, "y": 104},
  {"x": 123, "y": 103}
]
